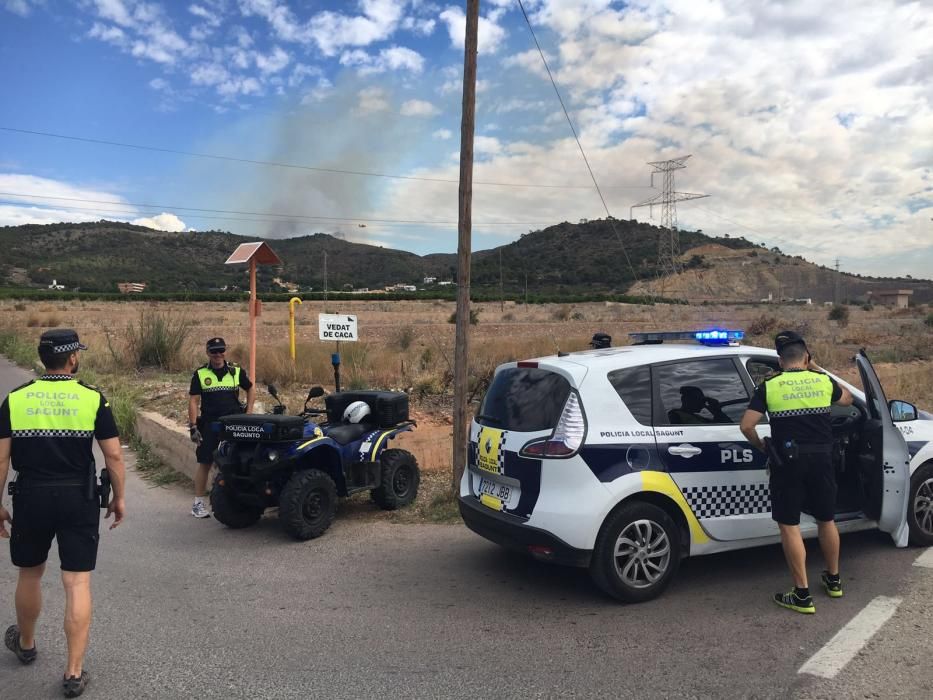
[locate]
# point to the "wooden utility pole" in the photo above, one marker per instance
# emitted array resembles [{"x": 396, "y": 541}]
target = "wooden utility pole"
[{"x": 464, "y": 229}]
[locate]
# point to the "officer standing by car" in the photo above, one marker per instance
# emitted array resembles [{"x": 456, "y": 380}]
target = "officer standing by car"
[
  {"x": 47, "y": 430},
  {"x": 797, "y": 401},
  {"x": 215, "y": 389}
]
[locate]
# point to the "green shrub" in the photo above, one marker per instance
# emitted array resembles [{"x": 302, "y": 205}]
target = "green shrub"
[
  {"x": 474, "y": 317},
  {"x": 158, "y": 338},
  {"x": 576, "y": 316},
  {"x": 405, "y": 337},
  {"x": 929, "y": 319},
  {"x": 839, "y": 313},
  {"x": 18, "y": 350}
]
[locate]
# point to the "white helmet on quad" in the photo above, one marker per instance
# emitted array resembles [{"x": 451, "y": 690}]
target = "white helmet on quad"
[{"x": 356, "y": 412}]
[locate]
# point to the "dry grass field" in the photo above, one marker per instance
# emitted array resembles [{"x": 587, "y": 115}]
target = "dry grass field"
[{"x": 409, "y": 346}]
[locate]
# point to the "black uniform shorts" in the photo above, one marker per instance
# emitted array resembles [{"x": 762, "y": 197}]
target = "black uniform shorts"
[
  {"x": 42, "y": 512},
  {"x": 209, "y": 441},
  {"x": 804, "y": 484}
]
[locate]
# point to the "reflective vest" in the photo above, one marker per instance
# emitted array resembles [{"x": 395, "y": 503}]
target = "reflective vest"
[
  {"x": 219, "y": 397},
  {"x": 53, "y": 409},
  {"x": 798, "y": 393}
]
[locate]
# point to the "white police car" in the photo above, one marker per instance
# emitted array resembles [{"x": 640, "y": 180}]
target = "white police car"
[{"x": 627, "y": 459}]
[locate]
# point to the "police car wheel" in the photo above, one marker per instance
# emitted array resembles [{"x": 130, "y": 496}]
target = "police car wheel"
[
  {"x": 400, "y": 480},
  {"x": 229, "y": 512},
  {"x": 308, "y": 504},
  {"x": 637, "y": 553},
  {"x": 920, "y": 510}
]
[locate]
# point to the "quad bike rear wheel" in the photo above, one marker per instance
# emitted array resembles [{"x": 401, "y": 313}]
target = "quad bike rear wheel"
[{"x": 400, "y": 480}]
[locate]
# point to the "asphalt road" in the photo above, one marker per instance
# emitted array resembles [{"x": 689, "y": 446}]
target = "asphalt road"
[{"x": 187, "y": 608}]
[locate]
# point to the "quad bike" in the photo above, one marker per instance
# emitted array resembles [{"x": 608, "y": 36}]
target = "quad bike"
[{"x": 301, "y": 464}]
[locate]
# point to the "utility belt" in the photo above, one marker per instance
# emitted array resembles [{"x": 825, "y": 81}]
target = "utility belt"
[
  {"x": 790, "y": 451},
  {"x": 94, "y": 490}
]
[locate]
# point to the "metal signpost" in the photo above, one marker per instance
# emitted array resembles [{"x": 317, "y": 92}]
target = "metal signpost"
[
  {"x": 253, "y": 253},
  {"x": 337, "y": 327},
  {"x": 291, "y": 325}
]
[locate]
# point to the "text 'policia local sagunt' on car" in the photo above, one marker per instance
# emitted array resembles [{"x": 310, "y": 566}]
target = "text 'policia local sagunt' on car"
[{"x": 626, "y": 460}]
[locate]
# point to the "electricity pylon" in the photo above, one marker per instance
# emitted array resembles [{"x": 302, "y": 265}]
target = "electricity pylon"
[{"x": 667, "y": 198}]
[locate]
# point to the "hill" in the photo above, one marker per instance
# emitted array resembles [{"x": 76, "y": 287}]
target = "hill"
[{"x": 590, "y": 256}]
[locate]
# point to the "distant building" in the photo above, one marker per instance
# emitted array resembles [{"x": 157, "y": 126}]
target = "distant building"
[
  {"x": 894, "y": 298},
  {"x": 445, "y": 283},
  {"x": 56, "y": 285},
  {"x": 430, "y": 280},
  {"x": 131, "y": 287}
]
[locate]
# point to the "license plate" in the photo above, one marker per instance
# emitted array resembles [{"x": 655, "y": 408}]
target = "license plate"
[
  {"x": 491, "y": 488},
  {"x": 496, "y": 495}
]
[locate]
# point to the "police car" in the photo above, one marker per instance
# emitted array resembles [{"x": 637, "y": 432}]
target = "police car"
[{"x": 626, "y": 460}]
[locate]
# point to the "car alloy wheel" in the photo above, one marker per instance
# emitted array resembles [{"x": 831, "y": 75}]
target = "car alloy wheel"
[{"x": 642, "y": 553}]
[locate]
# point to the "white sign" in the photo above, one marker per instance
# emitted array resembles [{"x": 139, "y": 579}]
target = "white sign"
[{"x": 337, "y": 327}]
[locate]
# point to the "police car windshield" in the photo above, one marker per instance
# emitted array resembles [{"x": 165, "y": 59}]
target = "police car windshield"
[{"x": 524, "y": 400}]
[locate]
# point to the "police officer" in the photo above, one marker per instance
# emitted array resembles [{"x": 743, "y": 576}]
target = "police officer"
[
  {"x": 216, "y": 386},
  {"x": 47, "y": 429},
  {"x": 797, "y": 401},
  {"x": 601, "y": 340}
]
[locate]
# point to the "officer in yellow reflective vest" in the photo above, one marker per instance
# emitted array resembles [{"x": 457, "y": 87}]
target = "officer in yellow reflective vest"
[
  {"x": 216, "y": 386},
  {"x": 797, "y": 401},
  {"x": 47, "y": 430}
]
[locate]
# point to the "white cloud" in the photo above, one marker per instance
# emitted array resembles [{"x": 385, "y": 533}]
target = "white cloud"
[
  {"x": 443, "y": 134},
  {"x": 274, "y": 62},
  {"x": 373, "y": 99},
  {"x": 395, "y": 58},
  {"x": 110, "y": 34},
  {"x": 423, "y": 27},
  {"x": 209, "y": 74},
  {"x": 115, "y": 11},
  {"x": 330, "y": 31},
  {"x": 211, "y": 18},
  {"x": 17, "y": 7},
  {"x": 490, "y": 35},
  {"x": 48, "y": 201},
  {"x": 162, "y": 222},
  {"x": 418, "y": 108}
]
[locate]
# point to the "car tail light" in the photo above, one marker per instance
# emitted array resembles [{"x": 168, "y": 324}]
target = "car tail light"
[
  {"x": 567, "y": 436},
  {"x": 529, "y": 365}
]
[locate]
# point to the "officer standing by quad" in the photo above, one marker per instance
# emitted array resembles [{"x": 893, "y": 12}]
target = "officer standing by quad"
[
  {"x": 216, "y": 386},
  {"x": 47, "y": 430},
  {"x": 798, "y": 401}
]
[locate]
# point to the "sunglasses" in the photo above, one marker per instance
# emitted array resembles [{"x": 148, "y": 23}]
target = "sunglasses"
[{"x": 218, "y": 352}]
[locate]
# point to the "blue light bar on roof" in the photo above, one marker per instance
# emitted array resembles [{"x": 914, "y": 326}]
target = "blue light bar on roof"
[{"x": 712, "y": 336}]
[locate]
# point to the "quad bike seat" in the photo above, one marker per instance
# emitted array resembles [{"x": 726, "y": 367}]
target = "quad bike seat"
[{"x": 348, "y": 432}]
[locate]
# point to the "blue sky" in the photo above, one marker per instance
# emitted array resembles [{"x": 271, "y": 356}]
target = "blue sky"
[{"x": 809, "y": 129}]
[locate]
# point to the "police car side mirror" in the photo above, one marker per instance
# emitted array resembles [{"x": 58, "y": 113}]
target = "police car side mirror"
[
  {"x": 272, "y": 390},
  {"x": 901, "y": 411},
  {"x": 315, "y": 392}
]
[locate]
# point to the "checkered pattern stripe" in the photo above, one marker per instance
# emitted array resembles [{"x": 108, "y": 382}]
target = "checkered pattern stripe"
[
  {"x": 56, "y": 377},
  {"x": 723, "y": 501},
  {"x": 218, "y": 388},
  {"x": 69, "y": 347},
  {"x": 502, "y": 453},
  {"x": 799, "y": 412},
  {"x": 53, "y": 433}
]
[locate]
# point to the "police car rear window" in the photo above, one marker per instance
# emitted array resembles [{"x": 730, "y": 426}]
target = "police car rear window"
[
  {"x": 633, "y": 385},
  {"x": 524, "y": 399}
]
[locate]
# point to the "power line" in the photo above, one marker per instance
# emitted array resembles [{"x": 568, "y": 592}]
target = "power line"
[
  {"x": 169, "y": 207},
  {"x": 573, "y": 130},
  {"x": 294, "y": 166}
]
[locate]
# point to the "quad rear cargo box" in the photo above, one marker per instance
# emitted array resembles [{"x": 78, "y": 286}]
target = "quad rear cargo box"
[
  {"x": 389, "y": 408},
  {"x": 260, "y": 427}
]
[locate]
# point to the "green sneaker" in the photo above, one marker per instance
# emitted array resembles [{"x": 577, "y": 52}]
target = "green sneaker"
[
  {"x": 790, "y": 601},
  {"x": 833, "y": 588}
]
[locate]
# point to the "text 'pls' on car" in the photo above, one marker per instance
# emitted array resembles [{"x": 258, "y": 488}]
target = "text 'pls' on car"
[{"x": 626, "y": 460}]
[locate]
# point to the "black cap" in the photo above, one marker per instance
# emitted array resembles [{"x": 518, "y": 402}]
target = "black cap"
[
  {"x": 60, "y": 340},
  {"x": 785, "y": 338},
  {"x": 216, "y": 344},
  {"x": 601, "y": 340}
]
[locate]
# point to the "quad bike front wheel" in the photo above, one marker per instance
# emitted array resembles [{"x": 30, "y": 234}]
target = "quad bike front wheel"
[
  {"x": 400, "y": 480},
  {"x": 232, "y": 514},
  {"x": 308, "y": 504}
]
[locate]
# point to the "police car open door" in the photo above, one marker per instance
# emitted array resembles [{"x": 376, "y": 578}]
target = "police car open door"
[{"x": 884, "y": 460}]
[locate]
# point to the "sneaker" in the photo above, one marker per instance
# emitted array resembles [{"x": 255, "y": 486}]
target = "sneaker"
[
  {"x": 833, "y": 588},
  {"x": 199, "y": 510},
  {"x": 73, "y": 686},
  {"x": 11, "y": 639},
  {"x": 790, "y": 601}
]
